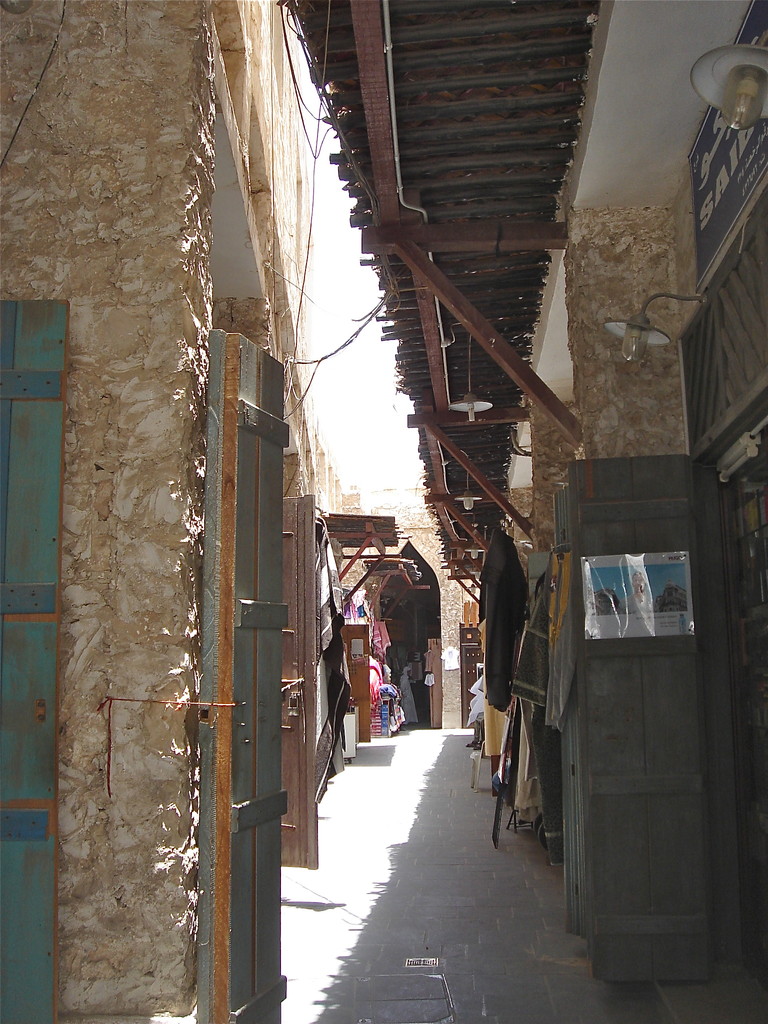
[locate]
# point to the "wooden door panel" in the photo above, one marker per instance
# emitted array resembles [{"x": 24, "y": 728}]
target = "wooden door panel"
[
  {"x": 32, "y": 360},
  {"x": 639, "y": 703},
  {"x": 243, "y": 619},
  {"x": 299, "y": 710}
]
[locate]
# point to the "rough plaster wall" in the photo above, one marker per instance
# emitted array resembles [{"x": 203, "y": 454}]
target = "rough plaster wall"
[
  {"x": 414, "y": 520},
  {"x": 249, "y": 317},
  {"x": 615, "y": 259},
  {"x": 552, "y": 456},
  {"x": 107, "y": 194}
]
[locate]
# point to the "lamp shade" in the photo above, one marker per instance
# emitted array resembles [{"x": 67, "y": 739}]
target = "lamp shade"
[
  {"x": 735, "y": 80},
  {"x": 637, "y": 334},
  {"x": 471, "y": 404}
]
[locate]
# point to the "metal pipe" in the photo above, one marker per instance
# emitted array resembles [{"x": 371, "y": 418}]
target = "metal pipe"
[{"x": 399, "y": 176}]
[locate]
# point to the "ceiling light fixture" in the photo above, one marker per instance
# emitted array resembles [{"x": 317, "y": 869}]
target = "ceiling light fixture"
[
  {"x": 470, "y": 403},
  {"x": 468, "y": 498},
  {"x": 637, "y": 333},
  {"x": 734, "y": 79}
]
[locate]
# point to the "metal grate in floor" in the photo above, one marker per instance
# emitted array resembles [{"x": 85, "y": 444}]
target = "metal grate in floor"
[
  {"x": 403, "y": 999},
  {"x": 421, "y": 961}
]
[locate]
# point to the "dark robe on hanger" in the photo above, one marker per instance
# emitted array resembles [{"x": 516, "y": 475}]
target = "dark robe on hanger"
[{"x": 503, "y": 597}]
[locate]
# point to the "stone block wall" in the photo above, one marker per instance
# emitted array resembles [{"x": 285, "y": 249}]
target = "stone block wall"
[
  {"x": 106, "y": 183},
  {"x": 616, "y": 258}
]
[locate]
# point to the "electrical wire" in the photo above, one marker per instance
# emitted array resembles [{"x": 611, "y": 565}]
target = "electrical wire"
[
  {"x": 353, "y": 337},
  {"x": 39, "y": 83}
]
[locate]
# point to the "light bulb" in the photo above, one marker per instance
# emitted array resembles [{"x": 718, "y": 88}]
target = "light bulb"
[
  {"x": 468, "y": 501},
  {"x": 471, "y": 412},
  {"x": 635, "y": 342},
  {"x": 744, "y": 96}
]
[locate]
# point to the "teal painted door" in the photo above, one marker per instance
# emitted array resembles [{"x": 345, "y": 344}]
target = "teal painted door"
[
  {"x": 32, "y": 361},
  {"x": 240, "y": 732}
]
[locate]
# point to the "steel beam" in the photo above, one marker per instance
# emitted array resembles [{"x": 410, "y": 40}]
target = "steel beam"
[
  {"x": 481, "y": 479},
  {"x": 497, "y": 348}
]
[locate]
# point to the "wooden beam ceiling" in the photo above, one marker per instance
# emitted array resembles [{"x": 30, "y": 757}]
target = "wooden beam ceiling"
[
  {"x": 481, "y": 480},
  {"x": 480, "y": 236},
  {"x": 369, "y": 43},
  {"x": 497, "y": 347}
]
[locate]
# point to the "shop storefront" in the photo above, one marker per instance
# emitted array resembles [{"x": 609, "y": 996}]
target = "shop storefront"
[{"x": 725, "y": 353}]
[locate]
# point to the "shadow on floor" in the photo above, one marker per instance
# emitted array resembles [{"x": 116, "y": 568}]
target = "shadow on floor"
[{"x": 493, "y": 920}]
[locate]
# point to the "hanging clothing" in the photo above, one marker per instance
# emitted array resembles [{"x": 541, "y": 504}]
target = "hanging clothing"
[
  {"x": 375, "y": 679},
  {"x": 333, "y": 678},
  {"x": 450, "y": 657},
  {"x": 407, "y": 702},
  {"x": 503, "y": 597},
  {"x": 547, "y": 746},
  {"x": 532, "y": 675}
]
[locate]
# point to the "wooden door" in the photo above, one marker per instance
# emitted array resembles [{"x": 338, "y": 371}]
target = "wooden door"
[
  {"x": 358, "y": 650},
  {"x": 32, "y": 388},
  {"x": 240, "y": 732},
  {"x": 436, "y": 690},
  {"x": 300, "y": 654},
  {"x": 640, "y": 711},
  {"x": 471, "y": 653}
]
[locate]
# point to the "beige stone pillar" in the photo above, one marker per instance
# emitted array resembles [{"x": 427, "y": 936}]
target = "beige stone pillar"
[
  {"x": 552, "y": 456},
  {"x": 249, "y": 317},
  {"x": 107, "y": 189},
  {"x": 615, "y": 259}
]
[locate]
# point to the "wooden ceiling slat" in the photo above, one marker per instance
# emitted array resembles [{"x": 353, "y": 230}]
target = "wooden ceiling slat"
[{"x": 493, "y": 237}]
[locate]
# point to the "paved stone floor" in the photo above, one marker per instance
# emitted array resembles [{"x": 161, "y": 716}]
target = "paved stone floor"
[{"x": 408, "y": 871}]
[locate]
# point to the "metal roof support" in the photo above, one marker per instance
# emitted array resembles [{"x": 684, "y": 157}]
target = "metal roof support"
[
  {"x": 366, "y": 577},
  {"x": 371, "y": 540},
  {"x": 497, "y": 348},
  {"x": 480, "y": 479},
  {"x": 460, "y": 581},
  {"x": 447, "y": 502}
]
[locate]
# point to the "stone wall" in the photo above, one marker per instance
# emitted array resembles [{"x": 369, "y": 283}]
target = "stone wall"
[
  {"x": 107, "y": 189},
  {"x": 616, "y": 258},
  {"x": 552, "y": 456}
]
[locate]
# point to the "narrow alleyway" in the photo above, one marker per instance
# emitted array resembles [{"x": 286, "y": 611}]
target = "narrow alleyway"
[{"x": 408, "y": 870}]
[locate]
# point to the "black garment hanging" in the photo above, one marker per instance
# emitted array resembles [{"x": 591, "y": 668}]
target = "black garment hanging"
[{"x": 503, "y": 597}]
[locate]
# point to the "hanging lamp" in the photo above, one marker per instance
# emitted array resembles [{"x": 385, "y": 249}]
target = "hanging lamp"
[{"x": 470, "y": 403}]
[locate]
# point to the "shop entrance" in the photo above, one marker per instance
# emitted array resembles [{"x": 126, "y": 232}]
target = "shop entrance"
[{"x": 409, "y": 604}]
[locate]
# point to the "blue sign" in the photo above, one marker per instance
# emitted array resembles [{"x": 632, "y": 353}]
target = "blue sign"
[{"x": 726, "y": 165}]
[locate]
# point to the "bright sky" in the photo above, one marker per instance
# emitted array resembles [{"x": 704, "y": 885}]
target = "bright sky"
[{"x": 361, "y": 415}]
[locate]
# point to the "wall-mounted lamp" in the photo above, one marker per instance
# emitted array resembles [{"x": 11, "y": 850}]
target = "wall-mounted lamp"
[
  {"x": 638, "y": 332},
  {"x": 735, "y": 80},
  {"x": 741, "y": 451}
]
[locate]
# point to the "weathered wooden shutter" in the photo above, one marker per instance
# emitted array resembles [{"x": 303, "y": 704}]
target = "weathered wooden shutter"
[
  {"x": 241, "y": 797},
  {"x": 436, "y": 690},
  {"x": 300, "y": 644},
  {"x": 358, "y": 651},
  {"x": 32, "y": 361},
  {"x": 640, "y": 744}
]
